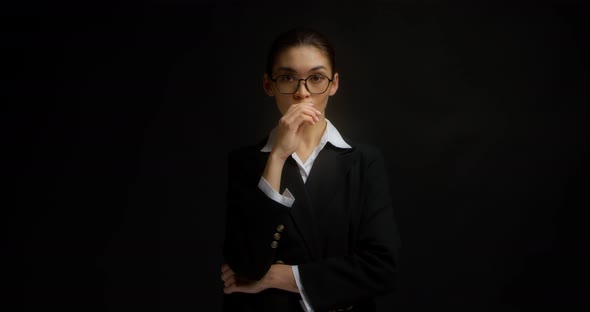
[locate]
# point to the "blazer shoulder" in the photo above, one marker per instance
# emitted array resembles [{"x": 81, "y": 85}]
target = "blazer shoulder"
[
  {"x": 366, "y": 150},
  {"x": 247, "y": 158},
  {"x": 360, "y": 146},
  {"x": 247, "y": 150}
]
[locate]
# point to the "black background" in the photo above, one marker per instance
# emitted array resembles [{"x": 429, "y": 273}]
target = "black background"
[{"x": 118, "y": 117}]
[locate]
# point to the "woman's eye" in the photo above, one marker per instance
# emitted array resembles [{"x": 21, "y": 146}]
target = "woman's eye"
[
  {"x": 286, "y": 78},
  {"x": 316, "y": 78}
]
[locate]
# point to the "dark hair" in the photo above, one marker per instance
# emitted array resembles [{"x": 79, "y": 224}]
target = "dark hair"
[{"x": 300, "y": 37}]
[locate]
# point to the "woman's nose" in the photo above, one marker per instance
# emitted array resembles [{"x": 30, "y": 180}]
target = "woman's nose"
[{"x": 302, "y": 91}]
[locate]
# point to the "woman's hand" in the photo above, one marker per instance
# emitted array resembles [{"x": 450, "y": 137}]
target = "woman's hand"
[
  {"x": 232, "y": 284},
  {"x": 287, "y": 139},
  {"x": 290, "y": 128},
  {"x": 278, "y": 276}
]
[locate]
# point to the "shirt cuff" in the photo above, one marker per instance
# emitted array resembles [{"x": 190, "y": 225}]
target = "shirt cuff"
[
  {"x": 286, "y": 199},
  {"x": 305, "y": 304}
]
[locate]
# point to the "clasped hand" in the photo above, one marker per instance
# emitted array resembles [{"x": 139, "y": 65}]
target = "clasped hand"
[
  {"x": 291, "y": 125},
  {"x": 232, "y": 283},
  {"x": 278, "y": 276}
]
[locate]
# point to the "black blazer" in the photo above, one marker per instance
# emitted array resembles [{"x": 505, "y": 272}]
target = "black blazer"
[{"x": 340, "y": 230}]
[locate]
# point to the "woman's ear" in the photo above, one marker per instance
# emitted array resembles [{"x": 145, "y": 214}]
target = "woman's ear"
[
  {"x": 267, "y": 85},
  {"x": 334, "y": 84}
]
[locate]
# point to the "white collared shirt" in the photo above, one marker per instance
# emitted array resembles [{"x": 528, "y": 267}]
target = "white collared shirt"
[{"x": 330, "y": 135}]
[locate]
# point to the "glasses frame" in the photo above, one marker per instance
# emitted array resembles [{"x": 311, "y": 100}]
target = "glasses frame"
[{"x": 304, "y": 83}]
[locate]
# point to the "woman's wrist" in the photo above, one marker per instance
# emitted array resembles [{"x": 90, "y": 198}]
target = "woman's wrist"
[
  {"x": 273, "y": 171},
  {"x": 281, "y": 276},
  {"x": 277, "y": 156}
]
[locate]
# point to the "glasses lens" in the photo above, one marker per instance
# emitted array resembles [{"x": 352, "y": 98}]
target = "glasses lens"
[
  {"x": 315, "y": 83},
  {"x": 287, "y": 83}
]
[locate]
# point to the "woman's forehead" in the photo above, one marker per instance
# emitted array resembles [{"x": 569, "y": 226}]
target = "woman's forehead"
[{"x": 302, "y": 59}]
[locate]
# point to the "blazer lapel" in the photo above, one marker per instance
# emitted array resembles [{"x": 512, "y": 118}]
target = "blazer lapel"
[
  {"x": 328, "y": 176},
  {"x": 329, "y": 168},
  {"x": 301, "y": 211}
]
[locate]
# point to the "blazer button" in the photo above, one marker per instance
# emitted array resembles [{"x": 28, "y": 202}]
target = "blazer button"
[
  {"x": 277, "y": 236},
  {"x": 280, "y": 228},
  {"x": 274, "y": 244}
]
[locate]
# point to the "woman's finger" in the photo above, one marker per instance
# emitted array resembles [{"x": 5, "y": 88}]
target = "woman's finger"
[
  {"x": 294, "y": 120},
  {"x": 314, "y": 113},
  {"x": 227, "y": 274},
  {"x": 296, "y": 108},
  {"x": 229, "y": 281},
  {"x": 303, "y": 118},
  {"x": 230, "y": 289}
]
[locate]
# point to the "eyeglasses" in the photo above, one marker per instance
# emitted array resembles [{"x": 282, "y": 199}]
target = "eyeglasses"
[{"x": 315, "y": 84}]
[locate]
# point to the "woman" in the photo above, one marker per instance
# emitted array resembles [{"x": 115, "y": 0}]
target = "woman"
[{"x": 299, "y": 239}]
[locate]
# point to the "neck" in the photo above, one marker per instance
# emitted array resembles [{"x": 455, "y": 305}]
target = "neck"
[{"x": 312, "y": 134}]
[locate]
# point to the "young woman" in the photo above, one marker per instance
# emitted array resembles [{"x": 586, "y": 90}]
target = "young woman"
[{"x": 309, "y": 225}]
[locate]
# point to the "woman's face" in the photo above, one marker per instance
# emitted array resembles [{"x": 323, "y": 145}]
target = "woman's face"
[{"x": 301, "y": 62}]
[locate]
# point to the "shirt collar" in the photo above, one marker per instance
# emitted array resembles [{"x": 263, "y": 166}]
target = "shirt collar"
[{"x": 331, "y": 135}]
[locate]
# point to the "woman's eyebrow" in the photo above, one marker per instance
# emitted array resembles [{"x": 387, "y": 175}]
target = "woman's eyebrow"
[
  {"x": 291, "y": 70},
  {"x": 318, "y": 68},
  {"x": 286, "y": 69}
]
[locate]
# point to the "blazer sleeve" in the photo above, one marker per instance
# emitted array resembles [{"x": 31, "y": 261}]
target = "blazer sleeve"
[
  {"x": 371, "y": 268},
  {"x": 252, "y": 219}
]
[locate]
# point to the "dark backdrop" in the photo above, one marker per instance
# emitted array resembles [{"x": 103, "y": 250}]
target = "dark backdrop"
[{"x": 119, "y": 117}]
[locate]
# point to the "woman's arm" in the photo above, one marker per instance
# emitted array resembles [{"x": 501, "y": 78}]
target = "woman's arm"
[
  {"x": 252, "y": 218},
  {"x": 279, "y": 276}
]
